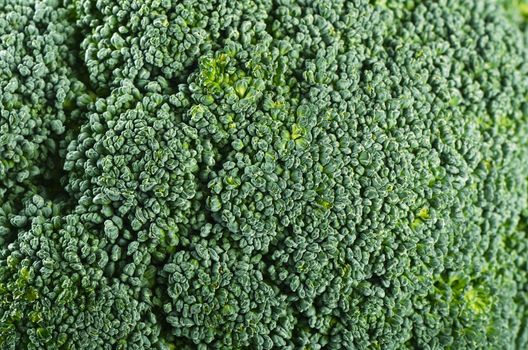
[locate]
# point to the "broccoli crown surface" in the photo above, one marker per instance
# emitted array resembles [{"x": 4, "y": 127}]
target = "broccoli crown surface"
[{"x": 263, "y": 174}]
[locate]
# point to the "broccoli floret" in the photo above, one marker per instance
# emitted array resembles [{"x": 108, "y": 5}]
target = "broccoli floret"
[
  {"x": 263, "y": 174},
  {"x": 38, "y": 94},
  {"x": 54, "y": 294}
]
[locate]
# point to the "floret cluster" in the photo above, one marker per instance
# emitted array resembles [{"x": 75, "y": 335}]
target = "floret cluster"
[{"x": 263, "y": 174}]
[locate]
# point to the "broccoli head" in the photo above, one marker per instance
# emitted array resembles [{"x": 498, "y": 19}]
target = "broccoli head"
[{"x": 263, "y": 174}]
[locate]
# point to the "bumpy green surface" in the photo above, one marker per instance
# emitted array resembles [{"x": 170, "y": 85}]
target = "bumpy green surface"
[{"x": 263, "y": 174}]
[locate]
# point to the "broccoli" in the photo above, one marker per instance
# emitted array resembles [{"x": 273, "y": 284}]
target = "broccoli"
[{"x": 263, "y": 174}]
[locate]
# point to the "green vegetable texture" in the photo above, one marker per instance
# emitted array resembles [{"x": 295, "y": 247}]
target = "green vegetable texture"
[{"x": 263, "y": 174}]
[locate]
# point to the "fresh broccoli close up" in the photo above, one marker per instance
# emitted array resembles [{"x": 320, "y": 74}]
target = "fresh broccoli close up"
[{"x": 263, "y": 174}]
